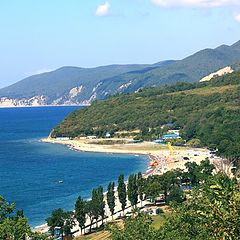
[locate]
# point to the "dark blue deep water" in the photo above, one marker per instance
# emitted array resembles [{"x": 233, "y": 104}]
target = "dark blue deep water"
[{"x": 30, "y": 171}]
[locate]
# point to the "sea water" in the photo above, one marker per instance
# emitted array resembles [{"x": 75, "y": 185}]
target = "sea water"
[{"x": 40, "y": 177}]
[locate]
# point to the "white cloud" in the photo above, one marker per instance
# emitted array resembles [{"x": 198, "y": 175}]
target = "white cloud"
[
  {"x": 103, "y": 9},
  {"x": 237, "y": 17},
  {"x": 196, "y": 3}
]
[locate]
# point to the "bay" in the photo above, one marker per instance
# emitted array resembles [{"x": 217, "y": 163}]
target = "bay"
[{"x": 30, "y": 171}]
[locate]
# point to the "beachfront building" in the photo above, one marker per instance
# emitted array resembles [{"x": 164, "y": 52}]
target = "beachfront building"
[
  {"x": 174, "y": 131},
  {"x": 170, "y": 136},
  {"x": 63, "y": 138},
  {"x": 91, "y": 137},
  {"x": 160, "y": 140},
  {"x": 108, "y": 135}
]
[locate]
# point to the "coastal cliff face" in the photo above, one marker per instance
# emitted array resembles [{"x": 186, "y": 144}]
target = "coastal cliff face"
[
  {"x": 34, "y": 101},
  {"x": 81, "y": 86},
  {"x": 64, "y": 86}
]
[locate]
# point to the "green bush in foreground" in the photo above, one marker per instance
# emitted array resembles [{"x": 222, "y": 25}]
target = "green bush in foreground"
[
  {"x": 212, "y": 212},
  {"x": 138, "y": 228},
  {"x": 13, "y": 225}
]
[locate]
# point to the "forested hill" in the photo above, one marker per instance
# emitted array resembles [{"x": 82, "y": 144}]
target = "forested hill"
[
  {"x": 73, "y": 85},
  {"x": 206, "y": 111}
]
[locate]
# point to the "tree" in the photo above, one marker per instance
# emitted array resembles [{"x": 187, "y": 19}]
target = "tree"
[
  {"x": 95, "y": 205},
  {"x": 5, "y": 208},
  {"x": 197, "y": 173},
  {"x": 98, "y": 203},
  {"x": 152, "y": 186},
  {"x": 212, "y": 212},
  {"x": 111, "y": 197},
  {"x": 90, "y": 212},
  {"x": 176, "y": 195},
  {"x": 132, "y": 190},
  {"x": 195, "y": 142},
  {"x": 169, "y": 180},
  {"x": 80, "y": 212},
  {"x": 122, "y": 192},
  {"x": 21, "y": 227},
  {"x": 61, "y": 219},
  {"x": 101, "y": 202},
  {"x": 12, "y": 226},
  {"x": 56, "y": 220},
  {"x": 206, "y": 169},
  {"x": 193, "y": 173},
  {"x": 138, "y": 227},
  {"x": 68, "y": 223},
  {"x": 140, "y": 186}
]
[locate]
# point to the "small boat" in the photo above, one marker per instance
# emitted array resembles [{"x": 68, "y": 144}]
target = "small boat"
[{"x": 61, "y": 181}]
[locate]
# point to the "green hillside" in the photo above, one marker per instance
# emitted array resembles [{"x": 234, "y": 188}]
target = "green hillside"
[
  {"x": 73, "y": 85},
  {"x": 207, "y": 111},
  {"x": 56, "y": 85},
  {"x": 189, "y": 69}
]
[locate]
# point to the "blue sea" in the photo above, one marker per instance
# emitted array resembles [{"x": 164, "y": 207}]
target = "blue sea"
[{"x": 30, "y": 171}]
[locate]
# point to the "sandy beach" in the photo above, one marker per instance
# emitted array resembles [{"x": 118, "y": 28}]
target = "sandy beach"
[{"x": 166, "y": 159}]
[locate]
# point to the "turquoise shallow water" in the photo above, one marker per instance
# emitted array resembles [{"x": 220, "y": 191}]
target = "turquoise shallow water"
[{"x": 30, "y": 171}]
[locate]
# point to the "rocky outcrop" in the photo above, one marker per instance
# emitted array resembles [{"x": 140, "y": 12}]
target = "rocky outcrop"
[
  {"x": 33, "y": 101},
  {"x": 219, "y": 73},
  {"x": 75, "y": 91}
]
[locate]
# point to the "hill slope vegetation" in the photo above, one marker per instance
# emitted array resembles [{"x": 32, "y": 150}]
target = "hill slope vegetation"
[
  {"x": 206, "y": 111},
  {"x": 72, "y": 85}
]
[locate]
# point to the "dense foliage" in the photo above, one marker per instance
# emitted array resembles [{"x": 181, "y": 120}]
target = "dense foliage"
[
  {"x": 13, "y": 224},
  {"x": 211, "y": 210},
  {"x": 170, "y": 183},
  {"x": 208, "y": 113},
  {"x": 61, "y": 219},
  {"x": 55, "y": 85},
  {"x": 190, "y": 69},
  {"x": 138, "y": 228}
]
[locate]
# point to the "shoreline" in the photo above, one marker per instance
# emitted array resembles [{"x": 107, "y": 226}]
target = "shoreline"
[
  {"x": 5, "y": 107},
  {"x": 43, "y": 228},
  {"x": 154, "y": 152}
]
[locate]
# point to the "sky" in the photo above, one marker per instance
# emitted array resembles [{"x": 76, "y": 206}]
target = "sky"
[{"x": 40, "y": 36}]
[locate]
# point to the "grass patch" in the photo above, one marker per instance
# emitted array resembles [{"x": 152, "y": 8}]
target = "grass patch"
[
  {"x": 158, "y": 221},
  {"x": 205, "y": 91},
  {"x": 102, "y": 235}
]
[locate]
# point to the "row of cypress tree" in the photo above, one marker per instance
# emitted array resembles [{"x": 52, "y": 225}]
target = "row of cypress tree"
[{"x": 95, "y": 210}]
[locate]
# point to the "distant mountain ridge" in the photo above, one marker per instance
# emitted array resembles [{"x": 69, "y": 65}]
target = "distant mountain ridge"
[
  {"x": 66, "y": 85},
  {"x": 74, "y": 85}
]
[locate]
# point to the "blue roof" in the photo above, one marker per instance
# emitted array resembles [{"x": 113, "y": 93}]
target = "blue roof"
[{"x": 170, "y": 135}]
